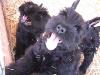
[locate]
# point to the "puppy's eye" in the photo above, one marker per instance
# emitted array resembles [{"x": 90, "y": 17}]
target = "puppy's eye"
[
  {"x": 58, "y": 26},
  {"x": 78, "y": 28},
  {"x": 62, "y": 30}
]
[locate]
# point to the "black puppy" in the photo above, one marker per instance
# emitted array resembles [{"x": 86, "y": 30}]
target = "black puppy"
[
  {"x": 31, "y": 24},
  {"x": 90, "y": 41},
  {"x": 57, "y": 51}
]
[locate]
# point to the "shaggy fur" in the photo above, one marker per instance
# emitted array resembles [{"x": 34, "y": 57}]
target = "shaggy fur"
[
  {"x": 31, "y": 24},
  {"x": 61, "y": 60},
  {"x": 89, "y": 43},
  {"x": 72, "y": 31}
]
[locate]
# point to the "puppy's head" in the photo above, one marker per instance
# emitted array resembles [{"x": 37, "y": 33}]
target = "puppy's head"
[
  {"x": 33, "y": 17},
  {"x": 64, "y": 30}
]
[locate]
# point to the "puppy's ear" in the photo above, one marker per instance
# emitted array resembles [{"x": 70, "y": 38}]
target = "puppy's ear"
[
  {"x": 71, "y": 9},
  {"x": 41, "y": 14},
  {"x": 93, "y": 22},
  {"x": 74, "y": 5}
]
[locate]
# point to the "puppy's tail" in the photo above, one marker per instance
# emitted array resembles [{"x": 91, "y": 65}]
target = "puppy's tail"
[{"x": 74, "y": 5}]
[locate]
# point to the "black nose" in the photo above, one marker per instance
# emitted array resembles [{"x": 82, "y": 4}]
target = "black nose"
[{"x": 60, "y": 29}]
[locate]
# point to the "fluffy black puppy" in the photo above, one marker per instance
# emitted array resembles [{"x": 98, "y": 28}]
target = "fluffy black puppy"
[
  {"x": 89, "y": 43},
  {"x": 57, "y": 51},
  {"x": 31, "y": 24}
]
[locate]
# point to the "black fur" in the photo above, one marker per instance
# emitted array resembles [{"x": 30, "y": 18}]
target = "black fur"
[
  {"x": 89, "y": 43},
  {"x": 64, "y": 59},
  {"x": 31, "y": 25}
]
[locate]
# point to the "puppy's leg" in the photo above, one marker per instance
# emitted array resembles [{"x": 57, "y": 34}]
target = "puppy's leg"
[
  {"x": 70, "y": 66},
  {"x": 23, "y": 66},
  {"x": 88, "y": 58}
]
